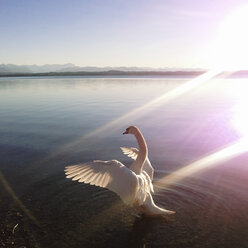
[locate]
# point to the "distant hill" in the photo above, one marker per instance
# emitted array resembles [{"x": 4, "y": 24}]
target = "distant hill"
[
  {"x": 108, "y": 73},
  {"x": 11, "y": 68},
  {"x": 72, "y": 70}
]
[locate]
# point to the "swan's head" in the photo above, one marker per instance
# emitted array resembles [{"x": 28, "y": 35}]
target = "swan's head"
[{"x": 131, "y": 130}]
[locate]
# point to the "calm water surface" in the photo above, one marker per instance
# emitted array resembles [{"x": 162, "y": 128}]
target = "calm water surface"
[{"x": 45, "y": 125}]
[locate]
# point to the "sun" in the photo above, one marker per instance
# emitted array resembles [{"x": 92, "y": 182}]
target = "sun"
[{"x": 229, "y": 51}]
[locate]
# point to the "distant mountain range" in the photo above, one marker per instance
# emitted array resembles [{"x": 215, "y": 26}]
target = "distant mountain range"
[
  {"x": 73, "y": 70},
  {"x": 11, "y": 68}
]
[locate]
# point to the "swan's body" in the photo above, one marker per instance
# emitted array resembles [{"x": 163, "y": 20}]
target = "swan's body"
[
  {"x": 133, "y": 185},
  {"x": 148, "y": 170}
]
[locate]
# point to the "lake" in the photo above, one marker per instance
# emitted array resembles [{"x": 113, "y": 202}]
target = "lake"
[{"x": 47, "y": 123}]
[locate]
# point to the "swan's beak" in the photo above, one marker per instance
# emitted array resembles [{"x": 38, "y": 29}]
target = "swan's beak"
[{"x": 126, "y": 132}]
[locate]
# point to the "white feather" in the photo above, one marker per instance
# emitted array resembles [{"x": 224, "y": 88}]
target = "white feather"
[
  {"x": 112, "y": 175},
  {"x": 133, "y": 153}
]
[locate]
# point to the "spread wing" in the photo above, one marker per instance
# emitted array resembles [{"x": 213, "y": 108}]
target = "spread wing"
[
  {"x": 133, "y": 153},
  {"x": 112, "y": 175},
  {"x": 130, "y": 152}
]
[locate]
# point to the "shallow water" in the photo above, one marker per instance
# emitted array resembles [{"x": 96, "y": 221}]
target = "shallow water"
[{"x": 45, "y": 125}]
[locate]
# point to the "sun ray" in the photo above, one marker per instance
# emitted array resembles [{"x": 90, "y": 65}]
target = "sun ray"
[
  {"x": 143, "y": 110},
  {"x": 209, "y": 161},
  {"x": 138, "y": 112},
  {"x": 16, "y": 199}
]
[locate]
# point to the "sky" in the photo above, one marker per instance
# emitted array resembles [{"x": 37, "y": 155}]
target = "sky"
[{"x": 148, "y": 33}]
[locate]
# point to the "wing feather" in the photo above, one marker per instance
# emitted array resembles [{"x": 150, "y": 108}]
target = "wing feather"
[
  {"x": 148, "y": 168},
  {"x": 112, "y": 175},
  {"x": 74, "y": 173},
  {"x": 71, "y": 173},
  {"x": 130, "y": 152},
  {"x": 73, "y": 169},
  {"x": 95, "y": 178},
  {"x": 133, "y": 153},
  {"x": 101, "y": 180},
  {"x": 78, "y": 176}
]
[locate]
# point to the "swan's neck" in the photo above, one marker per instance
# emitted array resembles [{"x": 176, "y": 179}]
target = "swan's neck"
[{"x": 143, "y": 152}]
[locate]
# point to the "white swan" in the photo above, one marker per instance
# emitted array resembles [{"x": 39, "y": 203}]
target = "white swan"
[{"x": 133, "y": 185}]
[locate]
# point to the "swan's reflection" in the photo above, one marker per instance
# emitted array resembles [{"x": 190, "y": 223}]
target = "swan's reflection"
[
  {"x": 143, "y": 228},
  {"x": 140, "y": 231}
]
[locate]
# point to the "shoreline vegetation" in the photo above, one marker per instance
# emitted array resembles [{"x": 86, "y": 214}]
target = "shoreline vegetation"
[{"x": 241, "y": 73}]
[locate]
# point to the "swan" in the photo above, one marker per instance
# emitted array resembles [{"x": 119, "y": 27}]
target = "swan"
[{"x": 134, "y": 185}]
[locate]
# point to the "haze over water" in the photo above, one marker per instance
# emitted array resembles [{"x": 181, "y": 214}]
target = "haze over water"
[{"x": 42, "y": 122}]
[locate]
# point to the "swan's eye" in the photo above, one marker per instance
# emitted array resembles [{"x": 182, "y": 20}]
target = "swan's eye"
[{"x": 127, "y": 129}]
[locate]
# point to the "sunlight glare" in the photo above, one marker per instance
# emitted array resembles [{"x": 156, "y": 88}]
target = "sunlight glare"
[
  {"x": 16, "y": 199},
  {"x": 240, "y": 118},
  {"x": 230, "y": 47},
  {"x": 130, "y": 117},
  {"x": 207, "y": 162},
  {"x": 146, "y": 108}
]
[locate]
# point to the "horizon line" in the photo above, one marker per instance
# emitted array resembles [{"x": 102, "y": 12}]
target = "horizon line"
[{"x": 107, "y": 66}]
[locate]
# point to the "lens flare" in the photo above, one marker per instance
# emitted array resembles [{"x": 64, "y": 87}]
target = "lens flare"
[
  {"x": 207, "y": 162},
  {"x": 137, "y": 113},
  {"x": 229, "y": 50},
  {"x": 19, "y": 203},
  {"x": 239, "y": 117}
]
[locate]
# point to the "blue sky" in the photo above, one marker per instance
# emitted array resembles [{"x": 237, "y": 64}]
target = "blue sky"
[{"x": 168, "y": 33}]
